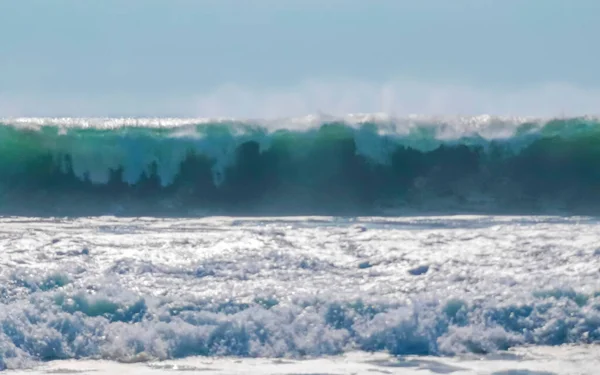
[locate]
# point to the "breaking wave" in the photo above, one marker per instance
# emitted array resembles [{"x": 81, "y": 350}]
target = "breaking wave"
[
  {"x": 52, "y": 324},
  {"x": 358, "y": 164}
]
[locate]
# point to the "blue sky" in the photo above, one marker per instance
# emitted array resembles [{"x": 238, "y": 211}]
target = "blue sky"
[{"x": 270, "y": 57}]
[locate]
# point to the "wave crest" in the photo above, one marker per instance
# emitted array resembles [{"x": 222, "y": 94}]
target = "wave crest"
[{"x": 311, "y": 165}]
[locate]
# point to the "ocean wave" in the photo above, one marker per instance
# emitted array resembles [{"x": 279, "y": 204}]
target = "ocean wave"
[
  {"x": 356, "y": 164},
  {"x": 52, "y": 323}
]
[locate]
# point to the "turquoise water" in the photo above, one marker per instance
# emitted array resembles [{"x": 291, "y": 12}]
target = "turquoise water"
[{"x": 328, "y": 167}]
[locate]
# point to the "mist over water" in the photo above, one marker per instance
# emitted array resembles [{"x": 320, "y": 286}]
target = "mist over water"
[{"x": 337, "y": 98}]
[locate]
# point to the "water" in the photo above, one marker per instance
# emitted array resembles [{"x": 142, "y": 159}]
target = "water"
[
  {"x": 465, "y": 245},
  {"x": 429, "y": 294},
  {"x": 357, "y": 165}
]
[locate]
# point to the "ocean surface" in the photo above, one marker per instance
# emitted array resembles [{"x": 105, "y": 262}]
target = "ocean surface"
[
  {"x": 361, "y": 164},
  {"x": 315, "y": 245}
]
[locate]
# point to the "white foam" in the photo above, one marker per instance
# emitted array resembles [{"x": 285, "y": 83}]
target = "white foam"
[
  {"x": 531, "y": 361},
  {"x": 135, "y": 289}
]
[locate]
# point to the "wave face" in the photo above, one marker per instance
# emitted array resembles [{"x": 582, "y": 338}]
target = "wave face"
[{"x": 359, "y": 164}]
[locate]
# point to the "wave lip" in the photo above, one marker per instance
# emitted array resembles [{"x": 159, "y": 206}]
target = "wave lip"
[{"x": 357, "y": 164}]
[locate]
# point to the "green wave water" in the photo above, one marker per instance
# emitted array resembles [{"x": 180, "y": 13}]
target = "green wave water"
[{"x": 74, "y": 167}]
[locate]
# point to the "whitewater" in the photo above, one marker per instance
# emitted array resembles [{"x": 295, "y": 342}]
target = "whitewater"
[{"x": 330, "y": 245}]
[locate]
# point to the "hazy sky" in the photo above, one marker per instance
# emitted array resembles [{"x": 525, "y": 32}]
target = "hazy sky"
[{"x": 271, "y": 57}]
